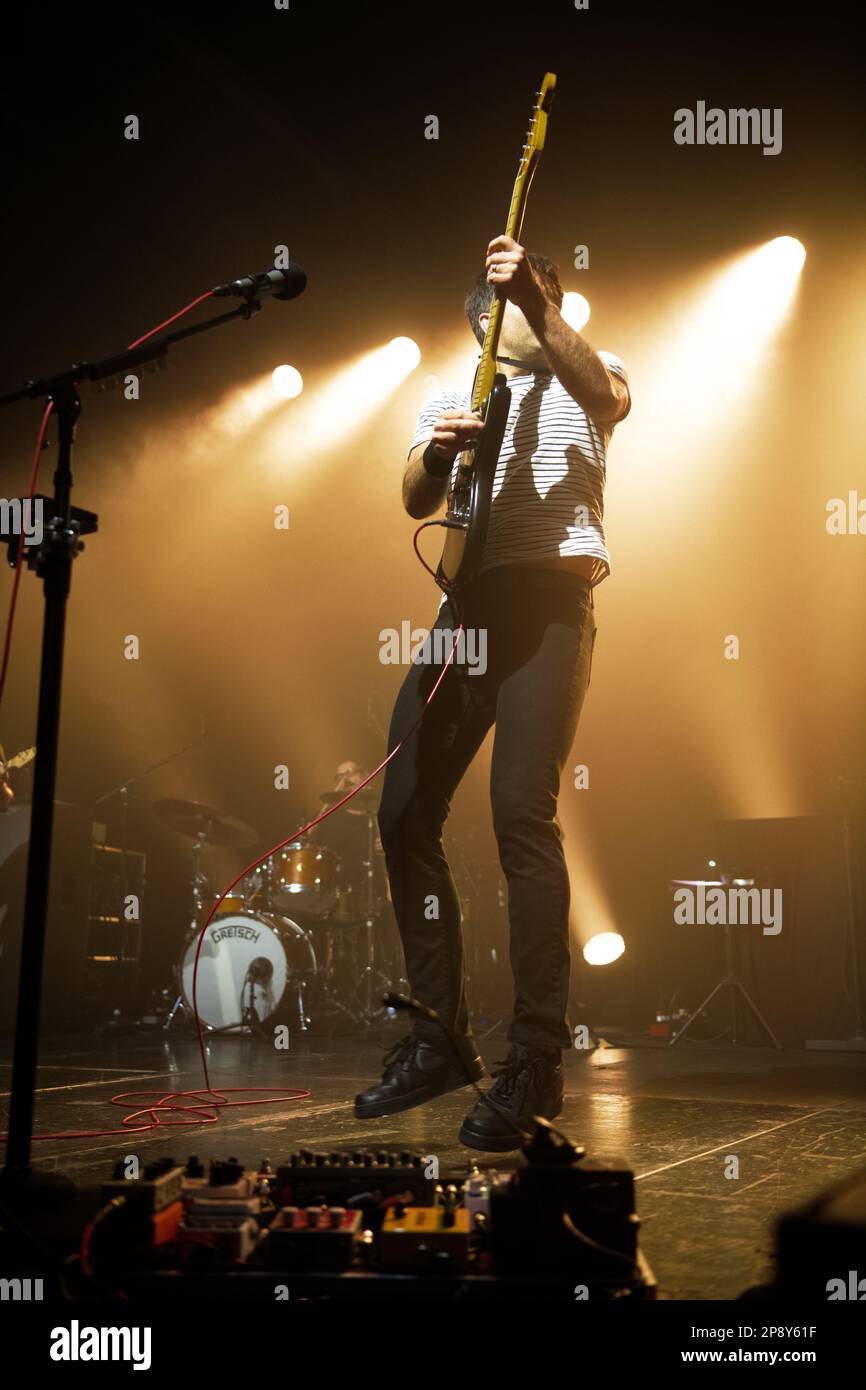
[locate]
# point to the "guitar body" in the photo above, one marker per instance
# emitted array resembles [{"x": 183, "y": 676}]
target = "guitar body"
[{"x": 471, "y": 493}]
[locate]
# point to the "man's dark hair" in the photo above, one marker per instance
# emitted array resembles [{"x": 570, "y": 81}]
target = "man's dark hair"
[{"x": 480, "y": 298}]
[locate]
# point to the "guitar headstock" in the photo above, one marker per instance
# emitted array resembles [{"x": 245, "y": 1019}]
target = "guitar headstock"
[
  {"x": 21, "y": 759},
  {"x": 537, "y": 132}
]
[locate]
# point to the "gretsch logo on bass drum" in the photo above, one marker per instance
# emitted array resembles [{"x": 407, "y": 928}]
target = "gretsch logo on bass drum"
[{"x": 246, "y": 933}]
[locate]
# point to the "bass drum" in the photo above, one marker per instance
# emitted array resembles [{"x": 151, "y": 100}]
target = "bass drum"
[{"x": 247, "y": 961}]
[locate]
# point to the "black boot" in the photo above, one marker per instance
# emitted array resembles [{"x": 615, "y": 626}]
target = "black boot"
[
  {"x": 416, "y": 1071},
  {"x": 527, "y": 1083}
]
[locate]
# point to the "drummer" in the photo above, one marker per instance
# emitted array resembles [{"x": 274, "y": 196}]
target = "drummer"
[{"x": 346, "y": 831}]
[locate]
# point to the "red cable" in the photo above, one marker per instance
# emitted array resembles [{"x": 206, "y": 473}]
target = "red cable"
[{"x": 180, "y": 313}]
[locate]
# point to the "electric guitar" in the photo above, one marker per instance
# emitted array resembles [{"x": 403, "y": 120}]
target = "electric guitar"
[
  {"x": 471, "y": 491},
  {"x": 19, "y": 760}
]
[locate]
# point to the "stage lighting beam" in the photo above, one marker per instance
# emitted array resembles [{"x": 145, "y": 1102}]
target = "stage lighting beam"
[{"x": 603, "y": 948}]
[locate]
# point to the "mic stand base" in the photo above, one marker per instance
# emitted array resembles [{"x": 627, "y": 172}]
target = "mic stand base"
[{"x": 35, "y": 1186}]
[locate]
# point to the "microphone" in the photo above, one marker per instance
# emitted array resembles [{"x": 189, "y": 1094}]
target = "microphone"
[
  {"x": 282, "y": 284},
  {"x": 260, "y": 970}
]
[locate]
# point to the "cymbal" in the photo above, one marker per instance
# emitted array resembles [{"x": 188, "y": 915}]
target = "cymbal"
[
  {"x": 197, "y": 820},
  {"x": 366, "y": 800},
  {"x": 698, "y": 882}
]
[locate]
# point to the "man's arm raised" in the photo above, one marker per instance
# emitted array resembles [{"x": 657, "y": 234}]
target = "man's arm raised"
[{"x": 602, "y": 394}]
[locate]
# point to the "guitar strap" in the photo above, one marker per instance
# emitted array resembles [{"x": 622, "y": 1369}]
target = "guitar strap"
[{"x": 514, "y": 362}]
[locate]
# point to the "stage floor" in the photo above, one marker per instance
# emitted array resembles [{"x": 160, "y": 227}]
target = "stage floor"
[{"x": 796, "y": 1121}]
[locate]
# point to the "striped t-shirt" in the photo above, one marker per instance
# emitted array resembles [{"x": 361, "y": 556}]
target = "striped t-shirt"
[{"x": 548, "y": 491}]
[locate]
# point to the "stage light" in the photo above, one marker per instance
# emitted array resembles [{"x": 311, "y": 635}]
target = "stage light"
[
  {"x": 404, "y": 353},
  {"x": 575, "y": 310},
  {"x": 708, "y": 350},
  {"x": 788, "y": 254},
  {"x": 288, "y": 382},
  {"x": 710, "y": 364},
  {"x": 603, "y": 948},
  {"x": 346, "y": 399},
  {"x": 745, "y": 306}
]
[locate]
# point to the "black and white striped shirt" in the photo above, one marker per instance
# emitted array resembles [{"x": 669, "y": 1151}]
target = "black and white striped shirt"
[{"x": 548, "y": 492}]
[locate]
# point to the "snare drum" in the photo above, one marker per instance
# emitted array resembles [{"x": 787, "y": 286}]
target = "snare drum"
[
  {"x": 230, "y": 906},
  {"x": 247, "y": 962}
]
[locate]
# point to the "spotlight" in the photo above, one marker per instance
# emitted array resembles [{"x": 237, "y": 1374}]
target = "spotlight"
[
  {"x": 604, "y": 947},
  {"x": 788, "y": 253},
  {"x": 336, "y": 407},
  {"x": 404, "y": 354},
  {"x": 288, "y": 382},
  {"x": 575, "y": 310}
]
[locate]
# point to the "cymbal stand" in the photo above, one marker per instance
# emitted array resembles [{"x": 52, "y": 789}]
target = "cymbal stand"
[
  {"x": 370, "y": 975},
  {"x": 199, "y": 885}
]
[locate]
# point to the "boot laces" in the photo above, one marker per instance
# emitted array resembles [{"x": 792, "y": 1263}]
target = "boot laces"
[
  {"x": 400, "y": 1053},
  {"x": 512, "y": 1076}
]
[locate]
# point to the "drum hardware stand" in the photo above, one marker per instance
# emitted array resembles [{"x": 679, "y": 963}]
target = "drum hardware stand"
[
  {"x": 122, "y": 791},
  {"x": 328, "y": 1000},
  {"x": 371, "y": 1013},
  {"x": 199, "y": 884},
  {"x": 734, "y": 985},
  {"x": 250, "y": 1024},
  {"x": 471, "y": 888}
]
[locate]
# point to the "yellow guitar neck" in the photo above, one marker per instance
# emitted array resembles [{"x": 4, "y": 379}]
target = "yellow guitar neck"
[{"x": 513, "y": 228}]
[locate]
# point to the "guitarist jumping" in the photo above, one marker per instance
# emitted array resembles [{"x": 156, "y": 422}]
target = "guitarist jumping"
[{"x": 543, "y": 554}]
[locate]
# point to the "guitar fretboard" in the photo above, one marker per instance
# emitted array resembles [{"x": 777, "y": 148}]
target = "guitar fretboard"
[{"x": 513, "y": 227}]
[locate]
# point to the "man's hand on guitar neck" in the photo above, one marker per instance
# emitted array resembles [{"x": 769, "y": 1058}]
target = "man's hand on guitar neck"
[
  {"x": 510, "y": 272},
  {"x": 602, "y": 394}
]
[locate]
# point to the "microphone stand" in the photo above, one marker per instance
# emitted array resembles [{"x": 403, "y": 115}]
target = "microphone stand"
[{"x": 52, "y": 561}]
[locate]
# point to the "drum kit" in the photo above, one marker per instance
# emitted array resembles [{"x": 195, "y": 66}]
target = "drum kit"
[{"x": 303, "y": 939}]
